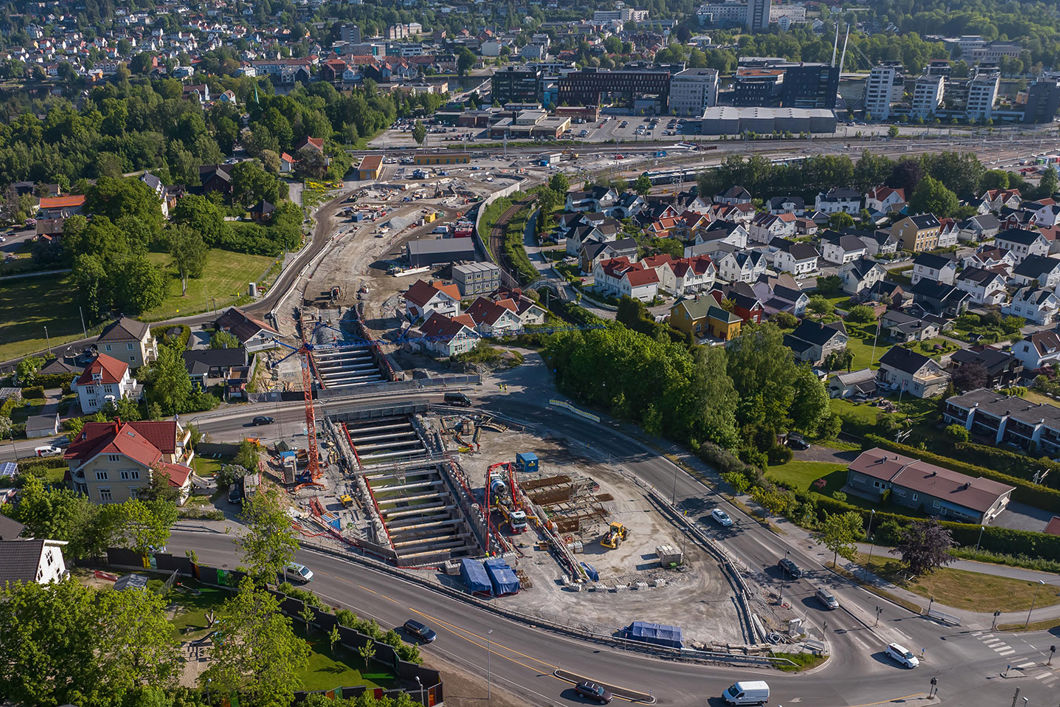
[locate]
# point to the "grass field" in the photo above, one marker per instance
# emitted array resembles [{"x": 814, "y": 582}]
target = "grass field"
[
  {"x": 224, "y": 279},
  {"x": 801, "y": 474},
  {"x": 961, "y": 589},
  {"x": 1034, "y": 396},
  {"x": 865, "y": 414},
  {"x": 27, "y": 305}
]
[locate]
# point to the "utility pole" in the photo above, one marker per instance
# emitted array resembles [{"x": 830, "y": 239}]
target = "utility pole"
[
  {"x": 47, "y": 338},
  {"x": 878, "y": 612},
  {"x": 489, "y": 661},
  {"x": 83, "y": 329},
  {"x": 977, "y": 542},
  {"x": 1034, "y": 598}
]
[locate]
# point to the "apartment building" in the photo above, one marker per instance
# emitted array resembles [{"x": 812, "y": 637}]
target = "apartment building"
[
  {"x": 982, "y": 94},
  {"x": 692, "y": 91},
  {"x": 927, "y": 95},
  {"x": 884, "y": 87}
]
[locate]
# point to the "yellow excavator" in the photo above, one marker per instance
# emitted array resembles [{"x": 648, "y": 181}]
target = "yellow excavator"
[{"x": 616, "y": 533}]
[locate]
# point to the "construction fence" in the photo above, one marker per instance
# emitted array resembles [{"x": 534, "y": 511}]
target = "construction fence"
[{"x": 432, "y": 692}]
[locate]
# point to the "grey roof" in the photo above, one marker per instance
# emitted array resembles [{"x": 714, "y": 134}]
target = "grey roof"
[
  {"x": 1019, "y": 235},
  {"x": 200, "y": 361},
  {"x": 925, "y": 221},
  {"x": 978, "y": 275},
  {"x": 431, "y": 246},
  {"x": 58, "y": 366},
  {"x": 930, "y": 260},
  {"x": 124, "y": 329},
  {"x": 778, "y": 201},
  {"x": 1034, "y": 266},
  {"x": 903, "y": 359},
  {"x": 19, "y": 560},
  {"x": 39, "y": 423},
  {"x": 10, "y": 528},
  {"x": 842, "y": 193},
  {"x": 815, "y": 332},
  {"x": 999, "y": 405},
  {"x": 992, "y": 360}
]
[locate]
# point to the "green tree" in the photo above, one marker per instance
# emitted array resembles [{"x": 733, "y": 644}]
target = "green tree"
[
  {"x": 251, "y": 183},
  {"x": 268, "y": 543},
  {"x": 333, "y": 638},
  {"x": 115, "y": 197},
  {"x": 785, "y": 320},
  {"x": 1047, "y": 185},
  {"x": 307, "y": 615},
  {"x": 247, "y": 455},
  {"x": 146, "y": 525},
  {"x": 90, "y": 285},
  {"x": 892, "y": 131},
  {"x": 924, "y": 547},
  {"x": 159, "y": 489},
  {"x": 840, "y": 220},
  {"x": 861, "y": 314},
  {"x": 464, "y": 60},
  {"x": 140, "y": 649},
  {"x": 820, "y": 306},
  {"x": 203, "y": 217},
  {"x": 189, "y": 254},
  {"x": 642, "y": 185},
  {"x": 419, "y": 132},
  {"x": 27, "y": 369},
  {"x": 170, "y": 386},
  {"x": 932, "y": 197},
  {"x": 957, "y": 433},
  {"x": 559, "y": 184},
  {"x": 840, "y": 532},
  {"x": 258, "y": 657},
  {"x": 221, "y": 339},
  {"x": 138, "y": 285}
]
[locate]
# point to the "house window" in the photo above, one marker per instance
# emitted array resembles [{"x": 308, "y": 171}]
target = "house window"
[
  {"x": 130, "y": 474},
  {"x": 107, "y": 347},
  {"x": 916, "y": 496},
  {"x": 101, "y": 475},
  {"x": 104, "y": 495},
  {"x": 129, "y": 346},
  {"x": 90, "y": 390},
  {"x": 113, "y": 457}
]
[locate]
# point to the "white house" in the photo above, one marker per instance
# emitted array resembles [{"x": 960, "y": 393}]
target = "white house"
[
  {"x": 936, "y": 268},
  {"x": 765, "y": 227},
  {"x": 105, "y": 379},
  {"x": 425, "y": 298},
  {"x": 986, "y": 287},
  {"x": 1035, "y": 305},
  {"x": 987, "y": 256},
  {"x": 1039, "y": 271},
  {"x": 1037, "y": 350},
  {"x": 684, "y": 275},
  {"x": 838, "y": 249},
  {"x": 254, "y": 334},
  {"x": 795, "y": 258},
  {"x": 493, "y": 318},
  {"x": 839, "y": 199},
  {"x": 448, "y": 336},
  {"x": 1022, "y": 243},
  {"x": 741, "y": 266},
  {"x": 860, "y": 276},
  {"x": 619, "y": 277},
  {"x": 949, "y": 233},
  {"x": 978, "y": 227},
  {"x": 1047, "y": 216},
  {"x": 884, "y": 200},
  {"x": 996, "y": 199},
  {"x": 787, "y": 205},
  {"x": 725, "y": 232}
]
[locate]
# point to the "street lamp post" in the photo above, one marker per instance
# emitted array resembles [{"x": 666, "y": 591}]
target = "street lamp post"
[
  {"x": 1034, "y": 598},
  {"x": 489, "y": 666},
  {"x": 419, "y": 688},
  {"x": 980, "y": 540},
  {"x": 871, "y": 518}
]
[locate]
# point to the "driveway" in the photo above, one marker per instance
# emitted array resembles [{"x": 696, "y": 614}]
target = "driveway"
[{"x": 1020, "y": 516}]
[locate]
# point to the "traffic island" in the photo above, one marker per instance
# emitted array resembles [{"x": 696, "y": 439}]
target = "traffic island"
[{"x": 616, "y": 690}]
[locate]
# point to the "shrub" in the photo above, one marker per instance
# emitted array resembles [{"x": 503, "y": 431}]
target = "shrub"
[
  {"x": 178, "y": 338},
  {"x": 958, "y": 433},
  {"x": 33, "y": 392},
  {"x": 779, "y": 454}
]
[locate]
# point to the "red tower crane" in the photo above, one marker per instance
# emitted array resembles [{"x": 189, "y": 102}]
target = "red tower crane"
[{"x": 304, "y": 353}]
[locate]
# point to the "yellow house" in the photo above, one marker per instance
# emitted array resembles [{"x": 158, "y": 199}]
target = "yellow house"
[
  {"x": 723, "y": 324},
  {"x": 690, "y": 316},
  {"x": 917, "y": 233}
]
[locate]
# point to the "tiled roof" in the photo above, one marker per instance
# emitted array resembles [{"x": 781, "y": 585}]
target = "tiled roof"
[
  {"x": 111, "y": 370},
  {"x": 124, "y": 329},
  {"x": 241, "y": 325},
  {"x": 20, "y": 560},
  {"x": 62, "y": 202}
]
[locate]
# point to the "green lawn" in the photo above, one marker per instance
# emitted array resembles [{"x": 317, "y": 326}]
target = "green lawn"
[
  {"x": 205, "y": 466},
  {"x": 28, "y": 408},
  {"x": 224, "y": 280},
  {"x": 27, "y": 306},
  {"x": 801, "y": 474},
  {"x": 1034, "y": 396},
  {"x": 861, "y": 413}
]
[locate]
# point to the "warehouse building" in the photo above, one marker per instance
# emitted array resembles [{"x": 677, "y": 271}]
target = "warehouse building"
[
  {"x": 371, "y": 167},
  {"x": 727, "y": 120},
  {"x": 430, "y": 251},
  {"x": 430, "y": 158}
]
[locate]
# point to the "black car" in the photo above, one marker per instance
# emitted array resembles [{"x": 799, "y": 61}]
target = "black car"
[
  {"x": 797, "y": 442},
  {"x": 790, "y": 568},
  {"x": 458, "y": 399},
  {"x": 593, "y": 692},
  {"x": 261, "y": 420},
  {"x": 235, "y": 492},
  {"x": 421, "y": 631}
]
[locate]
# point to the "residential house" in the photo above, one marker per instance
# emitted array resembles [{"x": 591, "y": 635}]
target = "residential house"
[
  {"x": 724, "y": 232},
  {"x": 254, "y": 334},
  {"x": 903, "y": 328},
  {"x": 619, "y": 277},
  {"x": 215, "y": 178},
  {"x": 32, "y": 561},
  {"x": 1036, "y": 305},
  {"x": 1037, "y": 350},
  {"x": 1004, "y": 419},
  {"x": 208, "y": 367},
  {"x": 60, "y": 207},
  {"x": 1022, "y": 243},
  {"x": 780, "y": 294},
  {"x": 949, "y": 233},
  {"x": 986, "y": 287},
  {"x": 528, "y": 310},
  {"x": 1002, "y": 368},
  {"x": 906, "y": 370},
  {"x": 1038, "y": 270},
  {"x": 745, "y": 266},
  {"x": 287, "y": 164},
  {"x": 812, "y": 341},
  {"x": 628, "y": 206},
  {"x": 996, "y": 199},
  {"x": 795, "y": 258},
  {"x": 595, "y": 199},
  {"x": 786, "y": 205},
  {"x": 854, "y": 384},
  {"x": 740, "y": 299},
  {"x": 805, "y": 227},
  {"x": 990, "y": 257},
  {"x": 425, "y": 298},
  {"x": 732, "y": 196},
  {"x": 936, "y": 268},
  {"x": 42, "y": 425},
  {"x": 839, "y": 249},
  {"x": 1046, "y": 216},
  {"x": 128, "y": 340},
  {"x": 860, "y": 275},
  {"x": 685, "y": 276},
  {"x": 888, "y": 293},
  {"x": 737, "y": 213},
  {"x": 261, "y": 212},
  {"x": 495, "y": 318},
  {"x": 939, "y": 298},
  {"x": 111, "y": 462},
  {"x": 690, "y": 316},
  {"x": 926, "y": 488},
  {"x": 723, "y": 324},
  {"x": 594, "y": 251},
  {"x": 766, "y": 226},
  {"x": 917, "y": 233},
  {"x": 884, "y": 199},
  {"x": 158, "y": 188},
  {"x": 878, "y": 242},
  {"x": 839, "y": 200},
  {"x": 447, "y": 336},
  {"x": 105, "y": 379},
  {"x": 978, "y": 228}
]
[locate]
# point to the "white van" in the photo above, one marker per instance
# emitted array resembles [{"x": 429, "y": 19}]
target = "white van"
[{"x": 751, "y": 692}]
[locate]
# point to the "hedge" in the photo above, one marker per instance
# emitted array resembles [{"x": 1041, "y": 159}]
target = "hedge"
[
  {"x": 162, "y": 336},
  {"x": 1020, "y": 465},
  {"x": 8, "y": 406},
  {"x": 1032, "y": 494},
  {"x": 56, "y": 380},
  {"x": 33, "y": 392}
]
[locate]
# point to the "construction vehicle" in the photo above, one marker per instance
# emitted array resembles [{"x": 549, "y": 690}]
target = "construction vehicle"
[
  {"x": 614, "y": 536},
  {"x": 501, "y": 494},
  {"x": 346, "y": 500}
]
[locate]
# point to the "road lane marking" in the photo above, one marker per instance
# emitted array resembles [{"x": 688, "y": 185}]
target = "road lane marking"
[
  {"x": 1010, "y": 651},
  {"x": 454, "y": 628},
  {"x": 1028, "y": 664},
  {"x": 903, "y": 698}
]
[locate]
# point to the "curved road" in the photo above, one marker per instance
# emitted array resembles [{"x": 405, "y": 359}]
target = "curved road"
[{"x": 967, "y": 660}]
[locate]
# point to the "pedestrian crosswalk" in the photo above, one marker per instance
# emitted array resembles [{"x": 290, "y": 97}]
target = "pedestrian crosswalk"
[{"x": 1032, "y": 668}]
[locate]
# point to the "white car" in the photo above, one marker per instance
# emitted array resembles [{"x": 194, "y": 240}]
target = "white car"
[
  {"x": 902, "y": 656},
  {"x": 299, "y": 573},
  {"x": 47, "y": 450},
  {"x": 721, "y": 518}
]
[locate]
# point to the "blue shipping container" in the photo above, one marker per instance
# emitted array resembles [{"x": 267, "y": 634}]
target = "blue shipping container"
[{"x": 526, "y": 461}]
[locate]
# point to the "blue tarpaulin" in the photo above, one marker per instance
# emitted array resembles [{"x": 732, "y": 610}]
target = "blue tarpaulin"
[
  {"x": 591, "y": 571},
  {"x": 475, "y": 577},
  {"x": 502, "y": 577},
  {"x": 659, "y": 634}
]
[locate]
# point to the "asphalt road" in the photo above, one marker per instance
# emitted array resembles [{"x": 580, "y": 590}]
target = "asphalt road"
[{"x": 967, "y": 661}]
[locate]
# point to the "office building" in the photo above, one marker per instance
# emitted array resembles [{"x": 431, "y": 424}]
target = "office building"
[
  {"x": 884, "y": 87},
  {"x": 516, "y": 84},
  {"x": 692, "y": 90},
  {"x": 756, "y": 87},
  {"x": 927, "y": 95},
  {"x": 591, "y": 86},
  {"x": 810, "y": 86},
  {"x": 726, "y": 120},
  {"x": 982, "y": 94},
  {"x": 724, "y": 14},
  {"x": 758, "y": 15},
  {"x": 350, "y": 33},
  {"x": 1043, "y": 99}
]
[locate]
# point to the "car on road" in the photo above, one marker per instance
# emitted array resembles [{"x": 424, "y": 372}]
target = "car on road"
[
  {"x": 902, "y": 656},
  {"x": 458, "y": 399},
  {"x": 593, "y": 692},
  {"x": 747, "y": 692},
  {"x": 420, "y": 631},
  {"x": 47, "y": 450},
  {"x": 788, "y": 567},
  {"x": 299, "y": 573},
  {"x": 721, "y": 518},
  {"x": 261, "y": 420},
  {"x": 235, "y": 491},
  {"x": 826, "y": 598},
  {"x": 797, "y": 441}
]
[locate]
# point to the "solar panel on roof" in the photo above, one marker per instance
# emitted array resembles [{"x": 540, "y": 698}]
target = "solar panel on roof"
[{"x": 8, "y": 469}]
